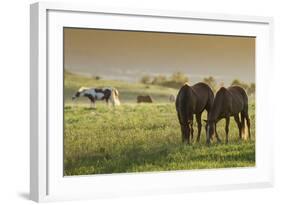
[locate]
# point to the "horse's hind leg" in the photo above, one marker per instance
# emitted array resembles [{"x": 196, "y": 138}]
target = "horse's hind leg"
[
  {"x": 199, "y": 125},
  {"x": 227, "y": 127},
  {"x": 216, "y": 134},
  {"x": 191, "y": 129},
  {"x": 239, "y": 125}
]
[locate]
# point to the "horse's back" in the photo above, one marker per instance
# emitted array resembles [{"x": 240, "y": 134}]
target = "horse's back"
[
  {"x": 204, "y": 95},
  {"x": 202, "y": 90}
]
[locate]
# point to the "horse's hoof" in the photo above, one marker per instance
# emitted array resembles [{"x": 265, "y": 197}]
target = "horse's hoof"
[{"x": 186, "y": 142}]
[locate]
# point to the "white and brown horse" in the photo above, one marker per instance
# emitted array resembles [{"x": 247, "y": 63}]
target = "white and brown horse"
[{"x": 94, "y": 94}]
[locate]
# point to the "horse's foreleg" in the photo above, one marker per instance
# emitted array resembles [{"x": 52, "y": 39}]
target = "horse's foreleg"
[
  {"x": 227, "y": 127},
  {"x": 199, "y": 125},
  {"x": 239, "y": 125},
  {"x": 185, "y": 134}
]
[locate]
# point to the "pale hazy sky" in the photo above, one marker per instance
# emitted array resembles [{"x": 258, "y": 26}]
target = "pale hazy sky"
[{"x": 127, "y": 55}]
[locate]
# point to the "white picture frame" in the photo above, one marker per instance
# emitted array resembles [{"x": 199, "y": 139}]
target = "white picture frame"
[{"x": 47, "y": 182}]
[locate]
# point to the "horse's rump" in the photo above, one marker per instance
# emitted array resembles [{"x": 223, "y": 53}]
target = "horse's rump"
[
  {"x": 240, "y": 102},
  {"x": 239, "y": 98}
]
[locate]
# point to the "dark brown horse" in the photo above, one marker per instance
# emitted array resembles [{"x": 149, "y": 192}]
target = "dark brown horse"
[
  {"x": 144, "y": 99},
  {"x": 229, "y": 102},
  {"x": 193, "y": 100}
]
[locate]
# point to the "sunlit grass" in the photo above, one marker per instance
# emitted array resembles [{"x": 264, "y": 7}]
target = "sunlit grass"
[{"x": 142, "y": 137}]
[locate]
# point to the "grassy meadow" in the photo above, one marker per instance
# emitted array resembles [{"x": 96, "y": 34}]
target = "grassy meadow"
[{"x": 140, "y": 137}]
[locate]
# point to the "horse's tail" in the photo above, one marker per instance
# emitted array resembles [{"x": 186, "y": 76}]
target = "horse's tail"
[
  {"x": 114, "y": 97},
  {"x": 245, "y": 121},
  {"x": 115, "y": 92},
  {"x": 245, "y": 128}
]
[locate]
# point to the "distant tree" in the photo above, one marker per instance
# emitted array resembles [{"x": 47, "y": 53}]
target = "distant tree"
[
  {"x": 251, "y": 89},
  {"x": 146, "y": 79},
  {"x": 240, "y": 83},
  {"x": 211, "y": 82},
  {"x": 176, "y": 80},
  {"x": 179, "y": 77},
  {"x": 98, "y": 77},
  {"x": 159, "y": 79}
]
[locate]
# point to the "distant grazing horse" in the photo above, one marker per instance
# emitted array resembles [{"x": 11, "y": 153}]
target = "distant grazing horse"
[
  {"x": 144, "y": 99},
  {"x": 193, "y": 100},
  {"x": 172, "y": 98},
  {"x": 107, "y": 94},
  {"x": 229, "y": 102}
]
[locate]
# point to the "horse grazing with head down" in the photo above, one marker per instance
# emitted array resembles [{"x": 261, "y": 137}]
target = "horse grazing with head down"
[
  {"x": 94, "y": 94},
  {"x": 229, "y": 102},
  {"x": 192, "y": 100},
  {"x": 144, "y": 99}
]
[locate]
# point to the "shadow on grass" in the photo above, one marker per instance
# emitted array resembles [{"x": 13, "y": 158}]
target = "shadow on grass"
[
  {"x": 89, "y": 108},
  {"x": 159, "y": 158}
]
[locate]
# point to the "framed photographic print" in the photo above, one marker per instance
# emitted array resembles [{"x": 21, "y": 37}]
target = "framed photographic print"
[{"x": 128, "y": 102}]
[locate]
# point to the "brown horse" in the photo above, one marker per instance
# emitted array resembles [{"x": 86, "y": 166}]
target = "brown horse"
[
  {"x": 192, "y": 100},
  {"x": 229, "y": 102},
  {"x": 144, "y": 99}
]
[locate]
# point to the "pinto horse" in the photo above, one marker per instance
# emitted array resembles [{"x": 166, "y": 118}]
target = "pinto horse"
[
  {"x": 193, "y": 100},
  {"x": 94, "y": 94},
  {"x": 229, "y": 102}
]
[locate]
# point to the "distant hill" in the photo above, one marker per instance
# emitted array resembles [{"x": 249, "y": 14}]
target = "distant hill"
[{"x": 128, "y": 90}]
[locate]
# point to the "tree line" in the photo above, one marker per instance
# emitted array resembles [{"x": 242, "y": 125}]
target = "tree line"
[{"x": 177, "y": 79}]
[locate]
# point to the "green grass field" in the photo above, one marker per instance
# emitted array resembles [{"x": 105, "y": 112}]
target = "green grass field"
[{"x": 140, "y": 137}]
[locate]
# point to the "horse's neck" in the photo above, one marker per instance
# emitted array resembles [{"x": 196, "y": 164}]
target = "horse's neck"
[{"x": 216, "y": 109}]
